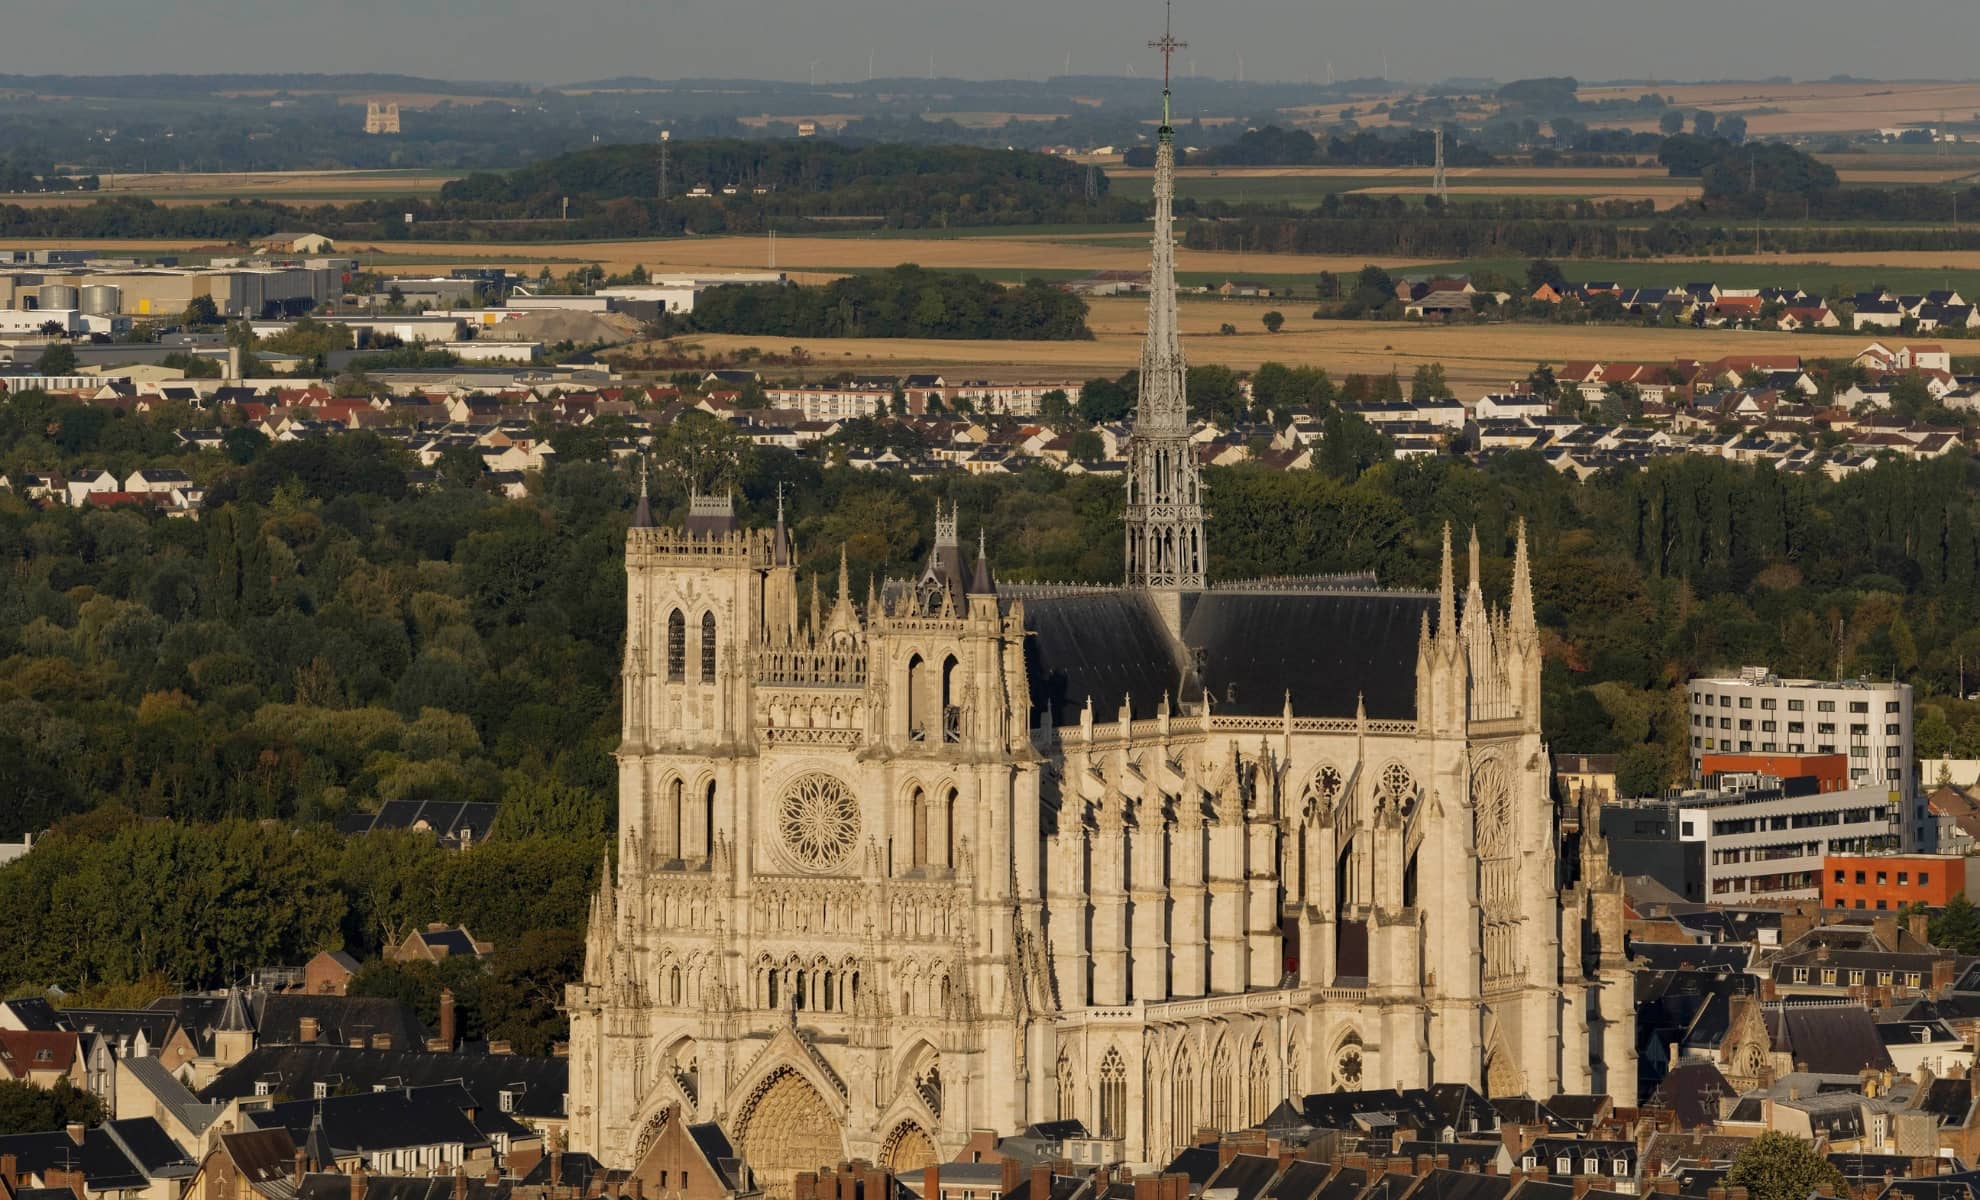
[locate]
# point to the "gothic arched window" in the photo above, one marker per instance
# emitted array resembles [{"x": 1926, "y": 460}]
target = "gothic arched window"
[
  {"x": 1068, "y": 1089},
  {"x": 708, "y": 647},
  {"x": 676, "y": 646},
  {"x": 1113, "y": 1095}
]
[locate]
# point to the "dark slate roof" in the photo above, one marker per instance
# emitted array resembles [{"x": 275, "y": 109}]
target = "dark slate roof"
[
  {"x": 145, "y": 1142},
  {"x": 1301, "y": 1180},
  {"x": 121, "y": 1024},
  {"x": 1346, "y": 1184},
  {"x": 1246, "y": 1175},
  {"x": 1692, "y": 1093},
  {"x": 1197, "y": 1162},
  {"x": 1833, "y": 1040},
  {"x": 35, "y": 1014},
  {"x": 1446, "y": 1184},
  {"x": 448, "y": 818},
  {"x": 574, "y": 1170},
  {"x": 714, "y": 1146},
  {"x": 114, "y": 1156},
  {"x": 453, "y": 941},
  {"x": 329, "y": 1186},
  {"x": 374, "y": 1121},
  {"x": 1106, "y": 645},
  {"x": 537, "y": 1083},
  {"x": 1328, "y": 649}
]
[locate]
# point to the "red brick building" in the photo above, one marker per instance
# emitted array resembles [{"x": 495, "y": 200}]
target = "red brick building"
[
  {"x": 1831, "y": 769},
  {"x": 1894, "y": 881}
]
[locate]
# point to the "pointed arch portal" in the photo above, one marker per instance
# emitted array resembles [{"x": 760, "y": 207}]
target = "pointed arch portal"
[{"x": 787, "y": 1127}]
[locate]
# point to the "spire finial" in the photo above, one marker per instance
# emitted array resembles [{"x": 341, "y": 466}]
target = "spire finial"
[
  {"x": 845, "y": 584},
  {"x": 1168, "y": 45}
]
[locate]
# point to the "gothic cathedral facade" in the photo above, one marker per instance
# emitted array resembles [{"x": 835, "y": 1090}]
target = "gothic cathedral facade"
[{"x": 971, "y": 856}]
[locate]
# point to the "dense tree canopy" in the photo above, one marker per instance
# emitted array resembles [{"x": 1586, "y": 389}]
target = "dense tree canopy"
[{"x": 905, "y": 301}]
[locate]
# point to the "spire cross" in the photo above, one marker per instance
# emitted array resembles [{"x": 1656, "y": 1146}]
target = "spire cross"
[{"x": 1168, "y": 45}]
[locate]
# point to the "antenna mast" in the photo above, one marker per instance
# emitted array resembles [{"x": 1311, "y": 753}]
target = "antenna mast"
[{"x": 1437, "y": 180}]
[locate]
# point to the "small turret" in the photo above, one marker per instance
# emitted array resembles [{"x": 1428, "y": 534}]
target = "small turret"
[
  {"x": 643, "y": 511},
  {"x": 981, "y": 582},
  {"x": 1523, "y": 625}
]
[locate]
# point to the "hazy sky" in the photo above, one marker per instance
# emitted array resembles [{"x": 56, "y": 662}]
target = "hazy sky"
[{"x": 564, "y": 40}]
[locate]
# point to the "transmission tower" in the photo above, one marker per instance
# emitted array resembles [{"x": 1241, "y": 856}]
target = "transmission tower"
[
  {"x": 1092, "y": 185},
  {"x": 1437, "y": 179},
  {"x": 665, "y": 135}
]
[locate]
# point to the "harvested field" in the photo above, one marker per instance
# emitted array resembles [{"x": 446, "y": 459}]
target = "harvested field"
[
  {"x": 827, "y": 255},
  {"x": 1475, "y": 357},
  {"x": 1810, "y": 107},
  {"x": 289, "y": 187}
]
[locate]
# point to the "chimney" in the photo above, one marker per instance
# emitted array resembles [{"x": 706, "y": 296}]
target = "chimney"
[
  {"x": 447, "y": 1016},
  {"x": 1666, "y": 1185},
  {"x": 71, "y": 1179},
  {"x": 1885, "y": 930},
  {"x": 637, "y": 1188},
  {"x": 357, "y": 1182},
  {"x": 306, "y": 1030},
  {"x": 460, "y": 1184},
  {"x": 1717, "y": 1193},
  {"x": 1736, "y": 1193},
  {"x": 557, "y": 1165},
  {"x": 299, "y": 1168},
  {"x": 1581, "y": 1185},
  {"x": 1147, "y": 1187},
  {"x": 931, "y": 1182},
  {"x": 1422, "y": 1165},
  {"x": 1918, "y": 925},
  {"x": 9, "y": 1171},
  {"x": 1041, "y": 1182},
  {"x": 805, "y": 1186},
  {"x": 1010, "y": 1179}
]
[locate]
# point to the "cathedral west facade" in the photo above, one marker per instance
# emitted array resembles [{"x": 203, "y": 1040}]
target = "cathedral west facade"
[{"x": 962, "y": 855}]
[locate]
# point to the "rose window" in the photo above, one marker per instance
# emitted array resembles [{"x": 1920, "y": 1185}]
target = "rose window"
[
  {"x": 819, "y": 821},
  {"x": 1349, "y": 1067}
]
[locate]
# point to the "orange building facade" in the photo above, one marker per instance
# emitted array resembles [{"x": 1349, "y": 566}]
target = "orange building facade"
[
  {"x": 1831, "y": 769},
  {"x": 1893, "y": 881}
]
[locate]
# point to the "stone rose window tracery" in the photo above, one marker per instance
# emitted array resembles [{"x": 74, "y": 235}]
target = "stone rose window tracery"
[{"x": 818, "y": 819}]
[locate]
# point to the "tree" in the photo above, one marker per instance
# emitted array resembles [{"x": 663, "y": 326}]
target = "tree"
[
  {"x": 1780, "y": 1166},
  {"x": 57, "y": 358},
  {"x": 1957, "y": 927},
  {"x": 26, "y": 1108},
  {"x": 200, "y": 313},
  {"x": 1542, "y": 272},
  {"x": 1273, "y": 320},
  {"x": 1733, "y": 129},
  {"x": 1703, "y": 123},
  {"x": 1105, "y": 400},
  {"x": 1428, "y": 383},
  {"x": 1672, "y": 122}
]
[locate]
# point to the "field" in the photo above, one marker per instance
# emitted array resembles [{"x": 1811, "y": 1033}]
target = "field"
[
  {"x": 288, "y": 187},
  {"x": 1307, "y": 187},
  {"x": 1810, "y": 108},
  {"x": 1475, "y": 358}
]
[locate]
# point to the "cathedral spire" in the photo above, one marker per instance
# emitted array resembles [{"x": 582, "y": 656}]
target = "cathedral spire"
[
  {"x": 1447, "y": 592},
  {"x": 1164, "y": 517},
  {"x": 1474, "y": 596},
  {"x": 1522, "y": 588}
]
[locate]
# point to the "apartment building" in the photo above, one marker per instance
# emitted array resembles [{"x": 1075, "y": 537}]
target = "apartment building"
[
  {"x": 1759, "y": 713},
  {"x": 1769, "y": 838}
]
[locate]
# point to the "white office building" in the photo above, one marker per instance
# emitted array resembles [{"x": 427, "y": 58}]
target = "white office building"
[
  {"x": 1757, "y": 712},
  {"x": 1766, "y": 838}
]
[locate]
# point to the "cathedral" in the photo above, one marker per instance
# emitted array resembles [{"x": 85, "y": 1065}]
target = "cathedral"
[{"x": 961, "y": 855}]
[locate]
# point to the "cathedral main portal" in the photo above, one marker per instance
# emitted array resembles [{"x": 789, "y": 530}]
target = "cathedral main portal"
[{"x": 787, "y": 1127}]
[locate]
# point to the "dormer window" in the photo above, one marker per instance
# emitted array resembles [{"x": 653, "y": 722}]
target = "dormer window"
[
  {"x": 261, "y": 1087},
  {"x": 507, "y": 1100}
]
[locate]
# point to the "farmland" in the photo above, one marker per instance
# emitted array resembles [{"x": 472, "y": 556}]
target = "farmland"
[{"x": 1475, "y": 358}]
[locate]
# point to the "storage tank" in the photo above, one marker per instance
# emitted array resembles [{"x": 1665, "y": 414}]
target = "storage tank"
[
  {"x": 102, "y": 299},
  {"x": 60, "y": 296}
]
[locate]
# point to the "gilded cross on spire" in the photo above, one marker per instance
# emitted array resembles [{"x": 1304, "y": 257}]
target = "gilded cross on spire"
[{"x": 1168, "y": 45}]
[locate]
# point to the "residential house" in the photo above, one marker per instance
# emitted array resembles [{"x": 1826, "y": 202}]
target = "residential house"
[
  {"x": 329, "y": 973},
  {"x": 130, "y": 1159},
  {"x": 42, "y": 1057},
  {"x": 435, "y": 942}
]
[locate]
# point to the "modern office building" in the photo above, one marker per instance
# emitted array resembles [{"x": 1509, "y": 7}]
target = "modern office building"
[{"x": 1759, "y": 713}]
